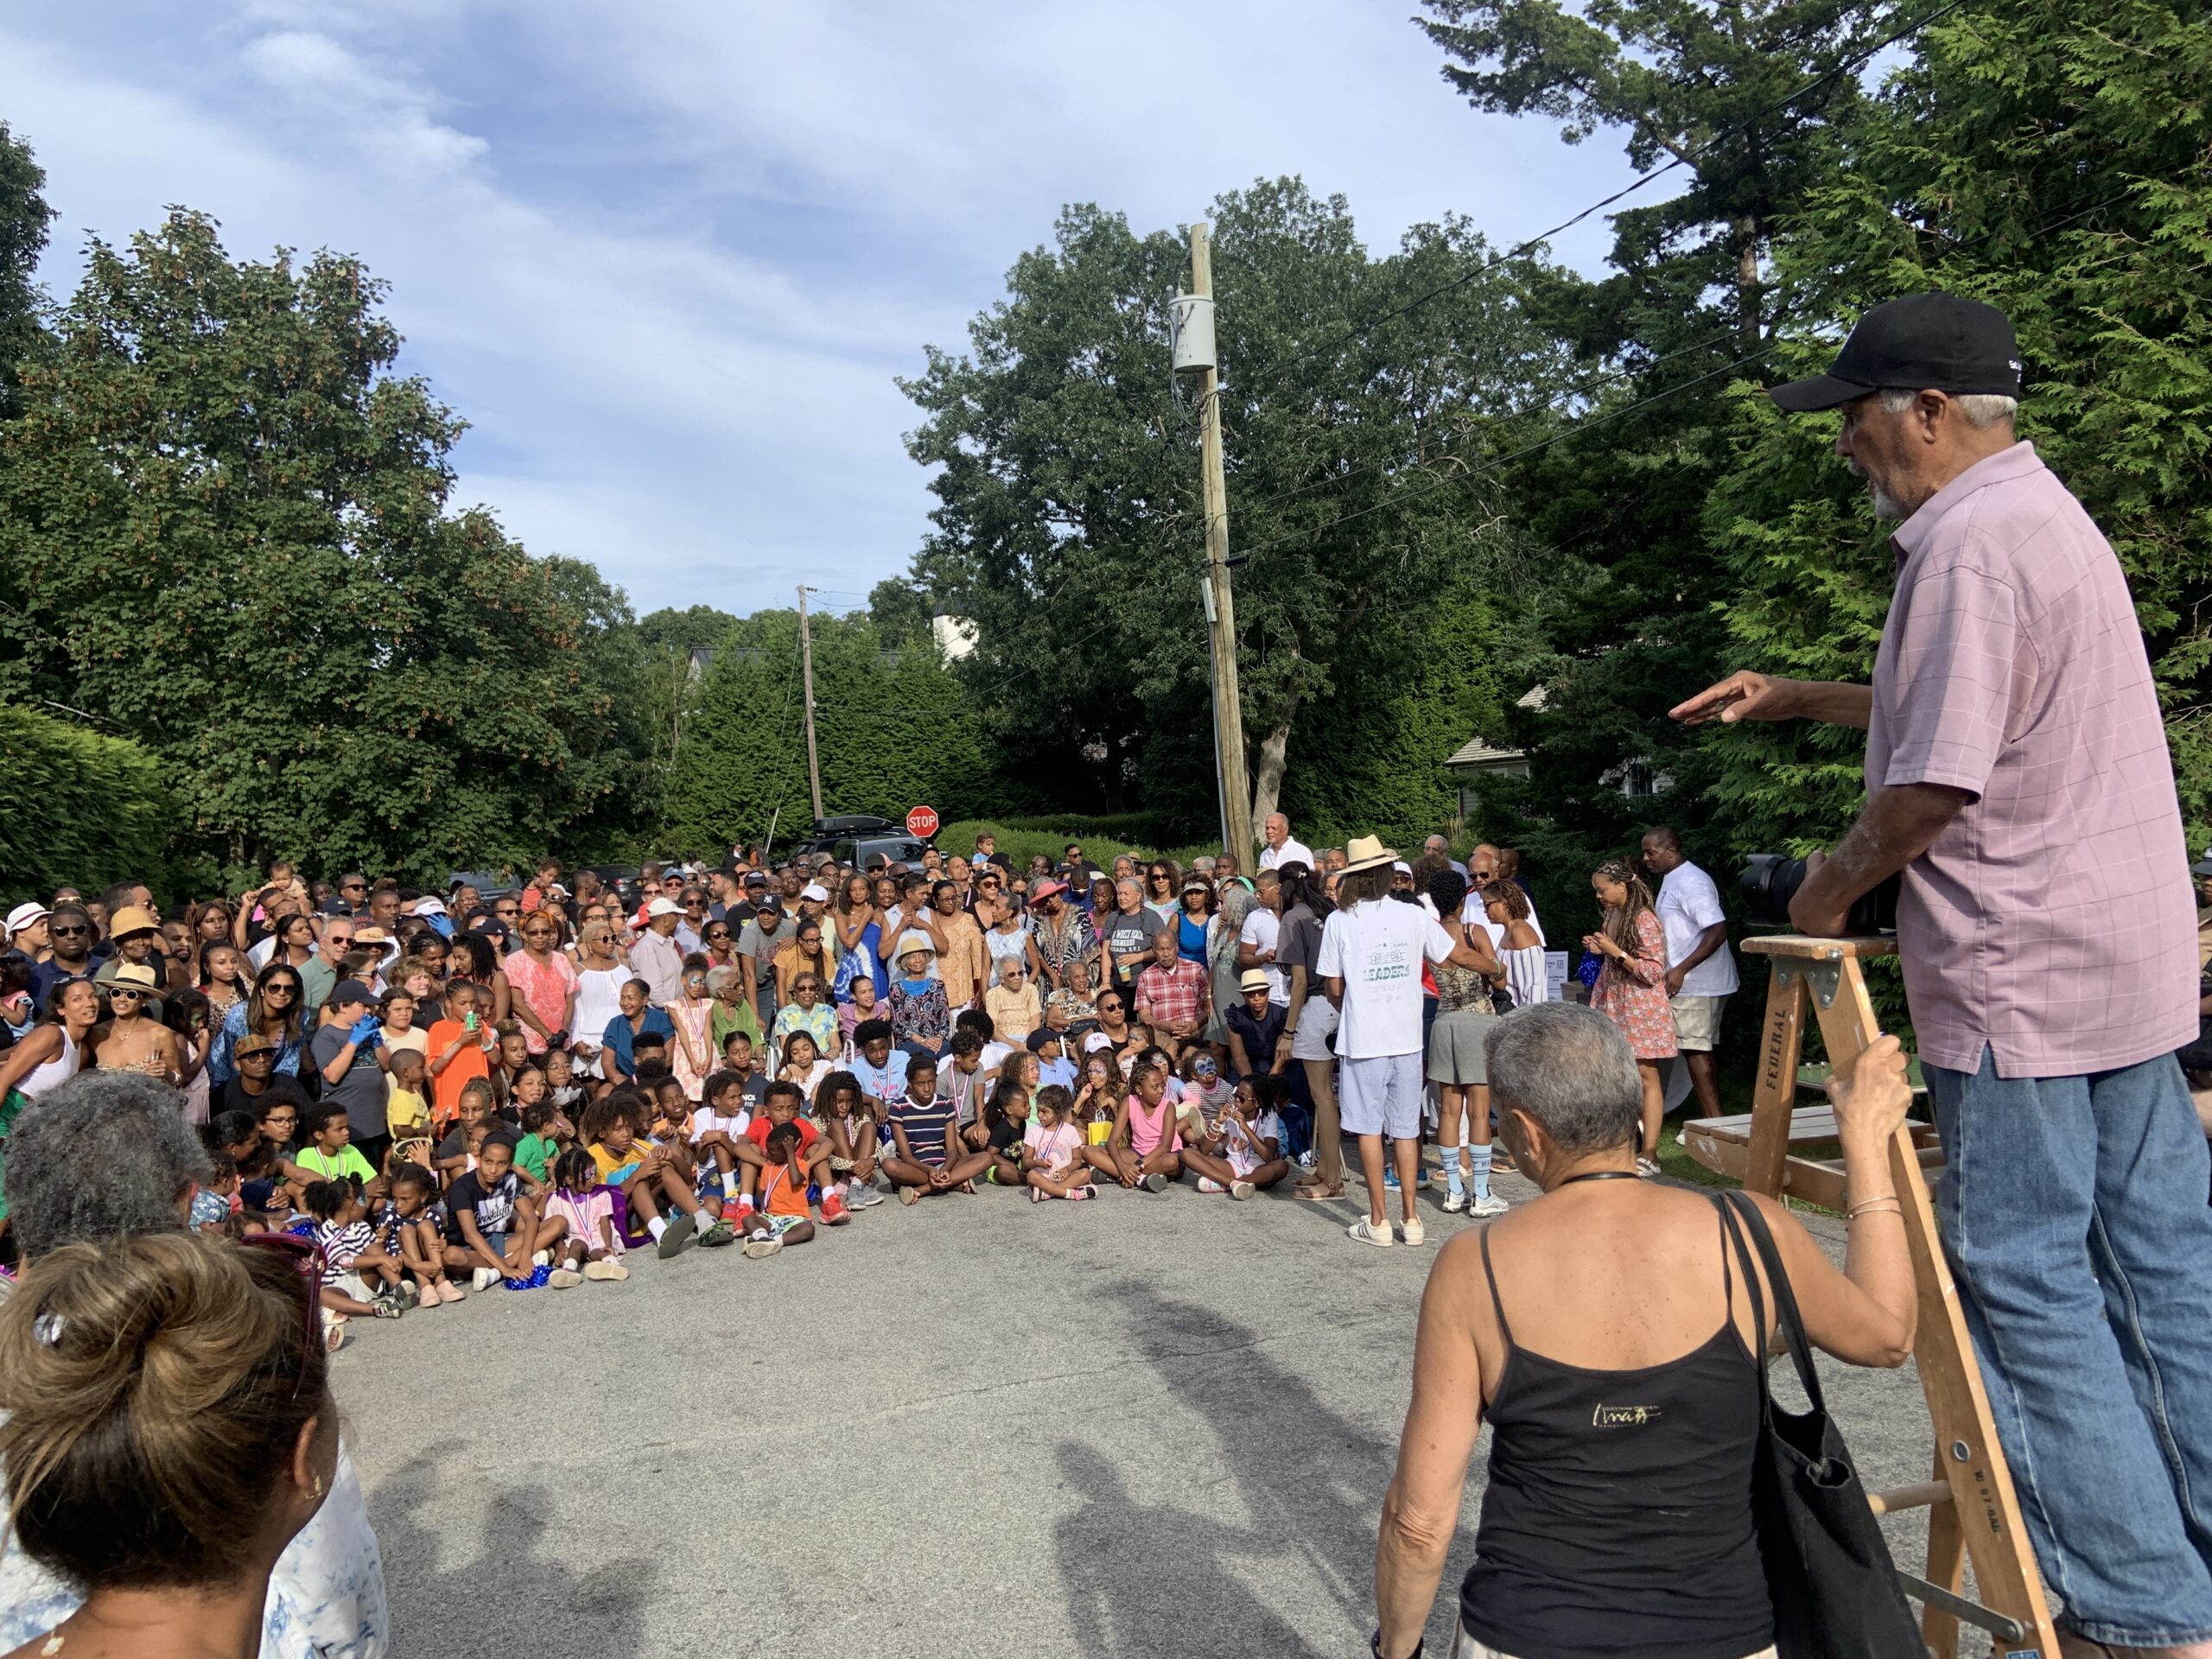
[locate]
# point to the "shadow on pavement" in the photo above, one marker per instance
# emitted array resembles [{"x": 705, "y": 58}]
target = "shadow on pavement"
[
  {"x": 522, "y": 1596},
  {"x": 1150, "y": 1578}
]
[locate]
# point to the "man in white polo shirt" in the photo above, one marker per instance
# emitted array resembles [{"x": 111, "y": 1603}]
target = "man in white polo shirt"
[
  {"x": 1700, "y": 968},
  {"x": 1372, "y": 949},
  {"x": 1281, "y": 848}
]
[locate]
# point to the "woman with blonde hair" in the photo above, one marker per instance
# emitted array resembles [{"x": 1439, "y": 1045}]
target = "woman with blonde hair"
[
  {"x": 1632, "y": 987},
  {"x": 169, "y": 1431}
]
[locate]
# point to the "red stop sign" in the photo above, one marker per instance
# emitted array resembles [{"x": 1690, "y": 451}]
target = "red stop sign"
[{"x": 921, "y": 823}]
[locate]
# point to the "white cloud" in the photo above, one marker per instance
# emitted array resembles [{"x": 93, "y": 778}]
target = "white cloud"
[{"x": 667, "y": 259}]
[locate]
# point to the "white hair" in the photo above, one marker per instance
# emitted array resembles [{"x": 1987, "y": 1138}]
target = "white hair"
[{"x": 1982, "y": 409}]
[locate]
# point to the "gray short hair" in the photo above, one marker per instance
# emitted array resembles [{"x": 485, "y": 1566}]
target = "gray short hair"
[
  {"x": 107, "y": 1153},
  {"x": 1569, "y": 1068},
  {"x": 1982, "y": 409}
]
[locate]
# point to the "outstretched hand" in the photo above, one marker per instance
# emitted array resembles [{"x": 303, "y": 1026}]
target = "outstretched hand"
[{"x": 1744, "y": 695}]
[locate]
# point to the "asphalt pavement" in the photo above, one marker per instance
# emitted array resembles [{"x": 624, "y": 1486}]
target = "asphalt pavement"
[{"x": 1135, "y": 1426}]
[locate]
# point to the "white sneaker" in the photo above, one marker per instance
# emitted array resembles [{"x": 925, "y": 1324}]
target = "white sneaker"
[
  {"x": 542, "y": 1259},
  {"x": 1489, "y": 1205},
  {"x": 1207, "y": 1184},
  {"x": 1242, "y": 1190},
  {"x": 564, "y": 1278},
  {"x": 1412, "y": 1232},
  {"x": 484, "y": 1278},
  {"x": 1364, "y": 1231},
  {"x": 1455, "y": 1202}
]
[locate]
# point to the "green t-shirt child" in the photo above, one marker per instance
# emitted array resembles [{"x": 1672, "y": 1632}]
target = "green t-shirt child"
[{"x": 534, "y": 1156}]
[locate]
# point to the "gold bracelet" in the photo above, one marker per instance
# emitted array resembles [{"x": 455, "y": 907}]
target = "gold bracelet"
[{"x": 1874, "y": 1206}]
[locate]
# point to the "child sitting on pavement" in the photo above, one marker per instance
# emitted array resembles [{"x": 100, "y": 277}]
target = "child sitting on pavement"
[
  {"x": 493, "y": 1226},
  {"x": 645, "y": 1177},
  {"x": 782, "y": 1217},
  {"x": 1143, "y": 1149},
  {"x": 413, "y": 1227},
  {"x": 843, "y": 1115},
  {"x": 350, "y": 1257},
  {"x": 1052, "y": 1149},
  {"x": 591, "y": 1246},
  {"x": 782, "y": 1105},
  {"x": 1006, "y": 1124},
  {"x": 929, "y": 1156}
]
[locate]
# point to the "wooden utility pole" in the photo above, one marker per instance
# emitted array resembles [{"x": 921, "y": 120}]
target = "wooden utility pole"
[
  {"x": 806, "y": 688},
  {"x": 1228, "y": 701}
]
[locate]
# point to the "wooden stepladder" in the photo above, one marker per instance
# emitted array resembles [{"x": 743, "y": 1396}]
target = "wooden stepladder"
[{"x": 1974, "y": 1513}]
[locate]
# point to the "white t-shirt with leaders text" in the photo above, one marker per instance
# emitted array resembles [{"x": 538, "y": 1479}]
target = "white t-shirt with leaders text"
[{"x": 1376, "y": 948}]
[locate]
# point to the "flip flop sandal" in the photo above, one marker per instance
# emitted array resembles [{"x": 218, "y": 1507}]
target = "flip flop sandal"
[{"x": 1319, "y": 1194}]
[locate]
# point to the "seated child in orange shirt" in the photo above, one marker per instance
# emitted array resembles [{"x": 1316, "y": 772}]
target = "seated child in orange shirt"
[{"x": 782, "y": 1217}]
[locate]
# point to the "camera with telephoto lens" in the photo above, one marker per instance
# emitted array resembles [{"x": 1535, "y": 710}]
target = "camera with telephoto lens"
[{"x": 1770, "y": 881}]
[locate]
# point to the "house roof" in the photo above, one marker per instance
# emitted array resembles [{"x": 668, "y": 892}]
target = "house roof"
[{"x": 1477, "y": 752}]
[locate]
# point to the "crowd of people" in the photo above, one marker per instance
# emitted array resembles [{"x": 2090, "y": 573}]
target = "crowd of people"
[{"x": 450, "y": 1091}]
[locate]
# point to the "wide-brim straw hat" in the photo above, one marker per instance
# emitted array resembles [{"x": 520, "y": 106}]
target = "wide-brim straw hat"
[
  {"x": 913, "y": 940},
  {"x": 1367, "y": 853}
]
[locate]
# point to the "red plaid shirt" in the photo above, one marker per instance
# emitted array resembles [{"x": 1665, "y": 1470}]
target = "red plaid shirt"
[{"x": 1171, "y": 997}]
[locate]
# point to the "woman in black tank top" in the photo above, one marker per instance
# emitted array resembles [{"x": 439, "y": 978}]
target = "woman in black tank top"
[{"x": 1604, "y": 1333}]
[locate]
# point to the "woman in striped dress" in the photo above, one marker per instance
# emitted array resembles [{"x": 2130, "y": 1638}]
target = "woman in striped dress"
[{"x": 1520, "y": 947}]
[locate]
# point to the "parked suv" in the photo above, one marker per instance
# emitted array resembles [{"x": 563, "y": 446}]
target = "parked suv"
[{"x": 857, "y": 839}]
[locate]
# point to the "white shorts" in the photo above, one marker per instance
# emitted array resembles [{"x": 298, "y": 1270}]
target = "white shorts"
[
  {"x": 1382, "y": 1096},
  {"x": 1317, "y": 1023},
  {"x": 1697, "y": 1022}
]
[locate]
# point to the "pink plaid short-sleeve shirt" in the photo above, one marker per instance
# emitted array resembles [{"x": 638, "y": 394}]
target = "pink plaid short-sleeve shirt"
[{"x": 2053, "y": 918}]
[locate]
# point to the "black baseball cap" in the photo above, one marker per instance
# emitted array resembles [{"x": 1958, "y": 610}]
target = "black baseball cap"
[{"x": 1923, "y": 342}]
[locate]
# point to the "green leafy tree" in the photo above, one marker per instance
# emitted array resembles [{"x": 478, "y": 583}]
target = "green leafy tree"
[
  {"x": 1068, "y": 526},
  {"x": 77, "y": 808},
  {"x": 224, "y": 532},
  {"x": 2049, "y": 159},
  {"x": 24, "y": 217},
  {"x": 1755, "y": 106},
  {"x": 895, "y": 730}
]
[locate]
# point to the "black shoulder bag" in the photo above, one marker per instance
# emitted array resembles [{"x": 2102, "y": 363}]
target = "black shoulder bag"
[{"x": 1836, "y": 1591}]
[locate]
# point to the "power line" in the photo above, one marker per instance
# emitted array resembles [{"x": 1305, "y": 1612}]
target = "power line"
[
  {"x": 1574, "y": 430},
  {"x": 1685, "y": 159}
]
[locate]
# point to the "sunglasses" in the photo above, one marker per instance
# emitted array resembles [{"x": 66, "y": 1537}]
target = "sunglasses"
[
  {"x": 306, "y": 1258},
  {"x": 58, "y": 932},
  {"x": 117, "y": 991},
  {"x": 280, "y": 990},
  {"x": 352, "y": 887}
]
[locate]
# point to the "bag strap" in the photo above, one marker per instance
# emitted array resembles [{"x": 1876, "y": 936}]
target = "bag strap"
[
  {"x": 1733, "y": 1240},
  {"x": 1741, "y": 1209}
]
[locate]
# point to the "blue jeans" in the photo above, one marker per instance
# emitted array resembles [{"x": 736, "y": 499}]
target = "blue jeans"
[{"x": 2072, "y": 1210}]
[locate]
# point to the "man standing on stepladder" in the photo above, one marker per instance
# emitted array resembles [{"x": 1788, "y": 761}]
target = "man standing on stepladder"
[
  {"x": 2017, "y": 774},
  {"x": 1372, "y": 948}
]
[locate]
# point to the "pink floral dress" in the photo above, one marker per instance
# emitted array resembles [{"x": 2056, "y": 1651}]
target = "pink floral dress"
[
  {"x": 1631, "y": 992},
  {"x": 546, "y": 989}
]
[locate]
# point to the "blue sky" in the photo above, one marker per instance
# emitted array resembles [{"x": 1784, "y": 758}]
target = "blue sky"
[{"x": 668, "y": 258}]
